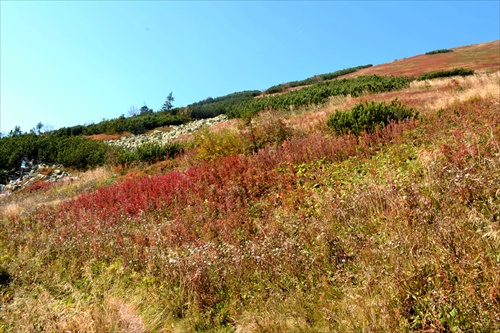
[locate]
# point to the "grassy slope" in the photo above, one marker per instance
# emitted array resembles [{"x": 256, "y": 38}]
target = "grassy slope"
[
  {"x": 484, "y": 57},
  {"x": 397, "y": 231}
]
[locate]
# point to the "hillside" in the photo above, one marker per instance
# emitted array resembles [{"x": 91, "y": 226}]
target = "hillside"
[
  {"x": 484, "y": 57},
  {"x": 363, "y": 205}
]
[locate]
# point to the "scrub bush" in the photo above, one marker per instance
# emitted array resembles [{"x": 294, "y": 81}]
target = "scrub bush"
[
  {"x": 149, "y": 153},
  {"x": 439, "y": 51},
  {"x": 368, "y": 116},
  {"x": 446, "y": 73},
  {"x": 152, "y": 152}
]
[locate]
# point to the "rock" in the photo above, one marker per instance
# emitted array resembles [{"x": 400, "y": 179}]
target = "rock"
[
  {"x": 32, "y": 175},
  {"x": 159, "y": 137},
  {"x": 129, "y": 143},
  {"x": 39, "y": 177}
]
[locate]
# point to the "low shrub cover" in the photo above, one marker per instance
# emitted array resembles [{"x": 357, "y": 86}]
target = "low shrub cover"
[
  {"x": 446, "y": 73},
  {"x": 368, "y": 116},
  {"x": 319, "y": 93},
  {"x": 439, "y": 51}
]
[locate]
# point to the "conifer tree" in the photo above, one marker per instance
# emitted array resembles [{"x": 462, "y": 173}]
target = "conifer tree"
[{"x": 167, "y": 106}]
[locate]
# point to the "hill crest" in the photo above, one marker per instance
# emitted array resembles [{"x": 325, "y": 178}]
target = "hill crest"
[{"x": 482, "y": 57}]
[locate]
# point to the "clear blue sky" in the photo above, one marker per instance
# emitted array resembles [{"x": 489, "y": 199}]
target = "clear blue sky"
[{"x": 66, "y": 63}]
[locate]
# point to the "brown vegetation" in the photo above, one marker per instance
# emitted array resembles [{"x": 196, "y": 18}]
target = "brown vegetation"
[
  {"x": 484, "y": 57},
  {"x": 394, "y": 231}
]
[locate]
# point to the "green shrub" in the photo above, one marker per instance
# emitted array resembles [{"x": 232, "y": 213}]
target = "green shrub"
[
  {"x": 81, "y": 152},
  {"x": 319, "y": 93},
  {"x": 77, "y": 152},
  {"x": 149, "y": 152},
  {"x": 439, "y": 51},
  {"x": 314, "y": 79},
  {"x": 212, "y": 107},
  {"x": 446, "y": 73},
  {"x": 120, "y": 156},
  {"x": 368, "y": 116},
  {"x": 275, "y": 89},
  {"x": 153, "y": 152}
]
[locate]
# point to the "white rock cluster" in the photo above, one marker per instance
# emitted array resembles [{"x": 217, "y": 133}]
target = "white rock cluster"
[
  {"x": 159, "y": 137},
  {"x": 32, "y": 174}
]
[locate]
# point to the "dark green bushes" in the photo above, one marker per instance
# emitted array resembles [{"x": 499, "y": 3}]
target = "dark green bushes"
[
  {"x": 439, "y": 51},
  {"x": 136, "y": 125},
  {"x": 5, "y": 278},
  {"x": 314, "y": 79},
  {"x": 446, "y": 73},
  {"x": 148, "y": 152},
  {"x": 212, "y": 107},
  {"x": 319, "y": 93},
  {"x": 152, "y": 152},
  {"x": 77, "y": 152},
  {"x": 14, "y": 148},
  {"x": 81, "y": 153},
  {"x": 276, "y": 89},
  {"x": 368, "y": 116},
  {"x": 336, "y": 74}
]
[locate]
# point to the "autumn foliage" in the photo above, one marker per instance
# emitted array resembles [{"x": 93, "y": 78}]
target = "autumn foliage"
[{"x": 276, "y": 224}]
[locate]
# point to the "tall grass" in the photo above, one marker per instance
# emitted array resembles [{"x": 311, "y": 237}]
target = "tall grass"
[{"x": 394, "y": 231}]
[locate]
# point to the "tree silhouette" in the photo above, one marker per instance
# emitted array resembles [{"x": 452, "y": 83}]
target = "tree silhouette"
[
  {"x": 167, "y": 106},
  {"x": 145, "y": 110}
]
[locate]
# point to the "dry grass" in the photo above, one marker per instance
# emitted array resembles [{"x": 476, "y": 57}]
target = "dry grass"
[
  {"x": 397, "y": 231},
  {"x": 107, "y": 137},
  {"x": 20, "y": 202},
  {"x": 482, "y": 57},
  {"x": 426, "y": 96},
  {"x": 44, "y": 312},
  {"x": 457, "y": 89},
  {"x": 398, "y": 238}
]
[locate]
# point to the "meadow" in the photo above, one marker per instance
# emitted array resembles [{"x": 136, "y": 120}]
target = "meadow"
[{"x": 274, "y": 223}]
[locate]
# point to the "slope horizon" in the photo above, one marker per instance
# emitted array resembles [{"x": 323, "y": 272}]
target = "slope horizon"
[
  {"x": 384, "y": 69},
  {"x": 73, "y": 63},
  {"x": 281, "y": 222}
]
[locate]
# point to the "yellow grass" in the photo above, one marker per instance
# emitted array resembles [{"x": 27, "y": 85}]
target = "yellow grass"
[
  {"x": 457, "y": 89},
  {"x": 428, "y": 95}
]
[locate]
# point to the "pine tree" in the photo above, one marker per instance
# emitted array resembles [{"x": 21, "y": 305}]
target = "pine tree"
[{"x": 167, "y": 106}]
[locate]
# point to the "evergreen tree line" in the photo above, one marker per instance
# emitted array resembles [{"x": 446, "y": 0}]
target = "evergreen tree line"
[{"x": 147, "y": 119}]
